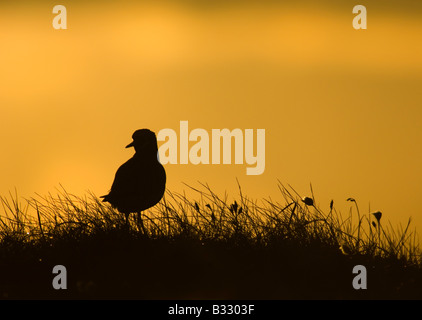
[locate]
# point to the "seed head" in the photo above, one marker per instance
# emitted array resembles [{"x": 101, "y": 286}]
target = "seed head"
[
  {"x": 308, "y": 201},
  {"x": 377, "y": 215}
]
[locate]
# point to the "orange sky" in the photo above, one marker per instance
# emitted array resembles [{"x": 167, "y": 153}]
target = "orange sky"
[{"x": 341, "y": 107}]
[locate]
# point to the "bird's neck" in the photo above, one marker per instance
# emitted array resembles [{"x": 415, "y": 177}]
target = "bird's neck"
[{"x": 149, "y": 154}]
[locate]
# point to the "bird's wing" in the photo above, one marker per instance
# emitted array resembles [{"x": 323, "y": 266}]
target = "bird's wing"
[{"x": 124, "y": 180}]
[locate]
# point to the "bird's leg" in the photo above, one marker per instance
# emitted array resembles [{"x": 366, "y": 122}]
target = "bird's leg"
[{"x": 141, "y": 222}]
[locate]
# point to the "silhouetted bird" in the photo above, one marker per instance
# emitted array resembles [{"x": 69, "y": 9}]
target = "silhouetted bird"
[{"x": 140, "y": 182}]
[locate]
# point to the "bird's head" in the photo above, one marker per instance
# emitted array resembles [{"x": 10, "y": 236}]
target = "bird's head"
[{"x": 144, "y": 140}]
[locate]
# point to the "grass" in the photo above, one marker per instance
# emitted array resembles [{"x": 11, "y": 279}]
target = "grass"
[{"x": 203, "y": 248}]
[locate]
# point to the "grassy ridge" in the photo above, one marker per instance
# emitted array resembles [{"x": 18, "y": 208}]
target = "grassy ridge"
[{"x": 205, "y": 248}]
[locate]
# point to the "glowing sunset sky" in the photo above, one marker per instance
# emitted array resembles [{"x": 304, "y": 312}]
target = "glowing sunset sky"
[{"x": 341, "y": 108}]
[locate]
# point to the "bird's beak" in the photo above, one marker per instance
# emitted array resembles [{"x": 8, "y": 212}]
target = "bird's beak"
[{"x": 129, "y": 145}]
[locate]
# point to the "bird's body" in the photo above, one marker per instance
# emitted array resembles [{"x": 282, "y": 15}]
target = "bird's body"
[
  {"x": 138, "y": 185},
  {"x": 140, "y": 182}
]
